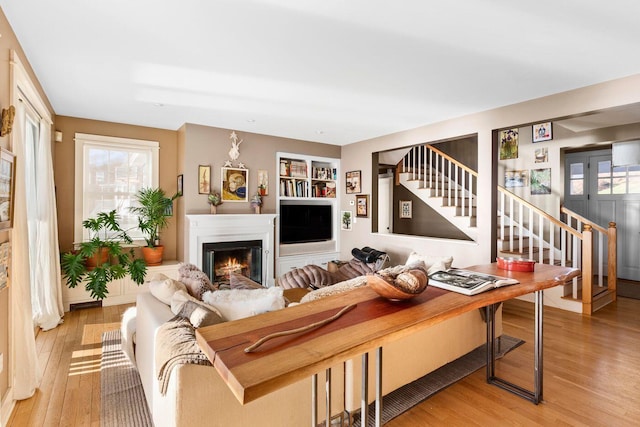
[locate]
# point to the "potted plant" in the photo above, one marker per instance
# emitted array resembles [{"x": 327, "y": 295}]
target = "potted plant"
[
  {"x": 214, "y": 200},
  {"x": 256, "y": 202},
  {"x": 152, "y": 212},
  {"x": 107, "y": 237}
]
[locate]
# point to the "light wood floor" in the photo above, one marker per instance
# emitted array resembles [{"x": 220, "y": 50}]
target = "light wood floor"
[{"x": 591, "y": 366}]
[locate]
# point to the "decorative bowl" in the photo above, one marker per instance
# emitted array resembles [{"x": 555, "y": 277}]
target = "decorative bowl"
[
  {"x": 391, "y": 292},
  {"x": 515, "y": 264}
]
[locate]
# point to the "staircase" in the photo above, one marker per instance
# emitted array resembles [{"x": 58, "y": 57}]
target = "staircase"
[{"x": 524, "y": 231}]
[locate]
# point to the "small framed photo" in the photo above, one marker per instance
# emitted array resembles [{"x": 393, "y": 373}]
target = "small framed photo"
[
  {"x": 353, "y": 182},
  {"x": 362, "y": 205},
  {"x": 204, "y": 179},
  {"x": 541, "y": 155},
  {"x": 508, "y": 144},
  {"x": 542, "y": 132},
  {"x": 263, "y": 182},
  {"x": 234, "y": 184},
  {"x": 180, "y": 185},
  {"x": 7, "y": 188},
  {"x": 406, "y": 209},
  {"x": 346, "y": 220},
  {"x": 514, "y": 179}
]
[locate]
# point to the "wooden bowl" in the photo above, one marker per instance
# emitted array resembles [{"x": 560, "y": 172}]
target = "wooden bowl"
[{"x": 387, "y": 290}]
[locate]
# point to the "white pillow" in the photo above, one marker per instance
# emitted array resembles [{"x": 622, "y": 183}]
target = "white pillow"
[
  {"x": 198, "y": 313},
  {"x": 433, "y": 263},
  {"x": 163, "y": 289},
  {"x": 240, "y": 303}
]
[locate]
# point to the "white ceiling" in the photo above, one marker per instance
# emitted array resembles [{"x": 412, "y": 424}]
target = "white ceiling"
[{"x": 334, "y": 71}]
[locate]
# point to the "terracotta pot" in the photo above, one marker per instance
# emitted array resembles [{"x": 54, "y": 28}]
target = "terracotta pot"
[
  {"x": 152, "y": 256},
  {"x": 99, "y": 258}
]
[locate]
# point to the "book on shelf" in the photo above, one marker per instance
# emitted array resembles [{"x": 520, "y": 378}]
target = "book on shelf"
[
  {"x": 298, "y": 169},
  {"x": 330, "y": 189},
  {"x": 468, "y": 282}
]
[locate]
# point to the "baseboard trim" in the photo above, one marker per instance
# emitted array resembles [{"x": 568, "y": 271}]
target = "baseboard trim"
[{"x": 8, "y": 404}]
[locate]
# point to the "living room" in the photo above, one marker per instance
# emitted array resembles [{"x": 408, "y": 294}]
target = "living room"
[{"x": 185, "y": 147}]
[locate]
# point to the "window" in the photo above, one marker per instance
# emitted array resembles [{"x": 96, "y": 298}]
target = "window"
[{"x": 109, "y": 173}]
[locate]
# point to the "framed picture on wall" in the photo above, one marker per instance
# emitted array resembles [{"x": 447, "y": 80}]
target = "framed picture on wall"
[
  {"x": 362, "y": 205},
  {"x": 541, "y": 181},
  {"x": 179, "y": 185},
  {"x": 204, "y": 179},
  {"x": 542, "y": 132},
  {"x": 346, "y": 220},
  {"x": 508, "y": 140},
  {"x": 234, "y": 184},
  {"x": 263, "y": 182},
  {"x": 406, "y": 209},
  {"x": 7, "y": 184},
  {"x": 353, "y": 182}
]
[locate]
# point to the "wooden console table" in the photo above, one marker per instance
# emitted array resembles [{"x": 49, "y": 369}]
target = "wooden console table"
[{"x": 373, "y": 323}]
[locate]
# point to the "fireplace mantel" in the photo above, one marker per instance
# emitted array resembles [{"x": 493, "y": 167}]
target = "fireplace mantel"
[{"x": 200, "y": 229}]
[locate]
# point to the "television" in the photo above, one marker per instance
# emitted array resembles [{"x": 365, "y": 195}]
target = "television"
[{"x": 300, "y": 223}]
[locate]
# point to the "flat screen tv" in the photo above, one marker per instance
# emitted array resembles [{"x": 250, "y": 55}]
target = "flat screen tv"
[{"x": 305, "y": 223}]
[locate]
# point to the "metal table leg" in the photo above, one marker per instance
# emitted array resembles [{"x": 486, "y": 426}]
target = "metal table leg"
[{"x": 534, "y": 396}]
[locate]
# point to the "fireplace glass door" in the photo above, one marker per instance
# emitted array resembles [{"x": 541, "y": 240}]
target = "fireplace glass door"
[{"x": 242, "y": 257}]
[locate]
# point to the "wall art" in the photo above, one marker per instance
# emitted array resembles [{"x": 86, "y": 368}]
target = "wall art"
[
  {"x": 508, "y": 139},
  {"x": 353, "y": 182},
  {"x": 362, "y": 205},
  {"x": 542, "y": 132},
  {"x": 204, "y": 179},
  {"x": 234, "y": 184},
  {"x": 514, "y": 179},
  {"x": 7, "y": 188},
  {"x": 541, "y": 181},
  {"x": 346, "y": 220}
]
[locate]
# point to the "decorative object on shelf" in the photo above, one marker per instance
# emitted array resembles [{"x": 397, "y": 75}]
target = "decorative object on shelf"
[
  {"x": 204, "y": 179},
  {"x": 180, "y": 185},
  {"x": 7, "y": 188},
  {"x": 346, "y": 222},
  {"x": 234, "y": 152},
  {"x": 214, "y": 201},
  {"x": 153, "y": 210},
  {"x": 362, "y": 205},
  {"x": 8, "y": 115},
  {"x": 256, "y": 203},
  {"x": 514, "y": 179},
  {"x": 263, "y": 182},
  {"x": 406, "y": 209},
  {"x": 508, "y": 144},
  {"x": 542, "y": 132},
  {"x": 107, "y": 238},
  {"x": 541, "y": 181},
  {"x": 353, "y": 182},
  {"x": 234, "y": 184}
]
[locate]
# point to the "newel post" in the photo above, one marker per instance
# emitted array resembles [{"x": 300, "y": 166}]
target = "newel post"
[
  {"x": 612, "y": 259},
  {"x": 587, "y": 269}
]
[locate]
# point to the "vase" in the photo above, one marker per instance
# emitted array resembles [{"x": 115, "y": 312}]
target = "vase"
[
  {"x": 256, "y": 209},
  {"x": 214, "y": 209}
]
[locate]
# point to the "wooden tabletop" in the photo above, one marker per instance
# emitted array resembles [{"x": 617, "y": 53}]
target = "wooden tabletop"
[{"x": 374, "y": 322}]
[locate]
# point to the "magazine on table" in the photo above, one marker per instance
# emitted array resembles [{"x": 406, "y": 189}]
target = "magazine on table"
[{"x": 467, "y": 282}]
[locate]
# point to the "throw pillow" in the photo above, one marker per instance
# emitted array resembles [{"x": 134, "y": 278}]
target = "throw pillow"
[
  {"x": 440, "y": 262},
  {"x": 240, "y": 303},
  {"x": 198, "y": 313},
  {"x": 163, "y": 289},
  {"x": 239, "y": 281},
  {"x": 338, "y": 288},
  {"x": 196, "y": 281}
]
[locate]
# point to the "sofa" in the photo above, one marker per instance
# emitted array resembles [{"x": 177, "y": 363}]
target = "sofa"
[{"x": 197, "y": 395}]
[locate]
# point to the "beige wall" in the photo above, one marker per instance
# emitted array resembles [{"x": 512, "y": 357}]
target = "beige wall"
[
  {"x": 65, "y": 176},
  {"x": 593, "y": 98},
  {"x": 9, "y": 42},
  {"x": 205, "y": 145}
]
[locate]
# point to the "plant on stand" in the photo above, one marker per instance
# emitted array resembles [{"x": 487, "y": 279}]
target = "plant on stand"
[
  {"x": 153, "y": 216},
  {"x": 214, "y": 201},
  {"x": 91, "y": 261}
]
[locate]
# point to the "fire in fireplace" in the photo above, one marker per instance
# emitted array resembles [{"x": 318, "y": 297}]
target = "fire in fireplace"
[{"x": 221, "y": 259}]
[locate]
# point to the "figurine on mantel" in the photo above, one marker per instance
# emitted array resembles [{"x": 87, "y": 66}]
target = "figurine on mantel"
[
  {"x": 214, "y": 201},
  {"x": 256, "y": 203}
]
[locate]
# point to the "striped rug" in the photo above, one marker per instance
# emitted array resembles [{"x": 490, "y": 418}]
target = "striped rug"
[
  {"x": 406, "y": 397},
  {"x": 123, "y": 400}
]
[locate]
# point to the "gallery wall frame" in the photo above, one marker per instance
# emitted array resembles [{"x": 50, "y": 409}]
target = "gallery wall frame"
[
  {"x": 7, "y": 188},
  {"x": 516, "y": 178},
  {"x": 180, "y": 185},
  {"x": 204, "y": 179},
  {"x": 541, "y": 181},
  {"x": 508, "y": 139},
  {"x": 362, "y": 205},
  {"x": 346, "y": 220},
  {"x": 353, "y": 182},
  {"x": 542, "y": 132},
  {"x": 233, "y": 182}
]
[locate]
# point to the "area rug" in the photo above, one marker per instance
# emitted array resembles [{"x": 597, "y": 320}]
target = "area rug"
[
  {"x": 406, "y": 397},
  {"x": 122, "y": 396}
]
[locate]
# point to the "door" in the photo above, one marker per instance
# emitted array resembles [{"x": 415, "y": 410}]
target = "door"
[
  {"x": 385, "y": 204},
  {"x": 608, "y": 193}
]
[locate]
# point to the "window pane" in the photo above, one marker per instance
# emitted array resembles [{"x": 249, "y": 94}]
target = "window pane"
[
  {"x": 634, "y": 184},
  {"x": 577, "y": 187},
  {"x": 577, "y": 170},
  {"x": 604, "y": 168},
  {"x": 604, "y": 186},
  {"x": 619, "y": 185}
]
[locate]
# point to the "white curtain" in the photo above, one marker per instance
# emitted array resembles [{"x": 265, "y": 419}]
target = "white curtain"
[
  {"x": 27, "y": 374},
  {"x": 46, "y": 296}
]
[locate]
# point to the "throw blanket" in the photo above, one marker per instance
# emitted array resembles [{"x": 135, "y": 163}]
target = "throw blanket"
[{"x": 176, "y": 345}]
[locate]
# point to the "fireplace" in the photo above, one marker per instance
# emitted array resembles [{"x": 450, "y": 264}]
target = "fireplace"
[
  {"x": 245, "y": 237},
  {"x": 221, "y": 259}
]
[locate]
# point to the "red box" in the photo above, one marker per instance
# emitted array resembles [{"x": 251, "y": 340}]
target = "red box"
[{"x": 515, "y": 264}]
